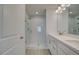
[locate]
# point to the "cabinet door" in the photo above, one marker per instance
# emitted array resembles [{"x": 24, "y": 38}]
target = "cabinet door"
[
  {"x": 64, "y": 50},
  {"x": 48, "y": 42},
  {"x": 60, "y": 51},
  {"x": 52, "y": 46},
  {"x": 12, "y": 41}
]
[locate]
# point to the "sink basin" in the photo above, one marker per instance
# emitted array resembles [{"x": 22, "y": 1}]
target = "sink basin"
[
  {"x": 69, "y": 38},
  {"x": 74, "y": 42}
]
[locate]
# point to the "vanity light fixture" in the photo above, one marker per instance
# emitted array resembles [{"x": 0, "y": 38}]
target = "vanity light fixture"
[
  {"x": 68, "y": 5},
  {"x": 64, "y": 8},
  {"x": 62, "y": 5},
  {"x": 56, "y": 11},
  {"x": 61, "y": 11},
  {"x": 59, "y": 8}
]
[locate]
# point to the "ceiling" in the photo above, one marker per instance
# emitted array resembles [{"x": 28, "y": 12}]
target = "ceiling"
[
  {"x": 41, "y": 8},
  {"x": 32, "y": 8}
]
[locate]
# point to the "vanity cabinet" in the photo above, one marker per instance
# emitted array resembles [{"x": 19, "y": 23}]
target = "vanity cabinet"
[
  {"x": 64, "y": 50},
  {"x": 57, "y": 47},
  {"x": 52, "y": 45}
]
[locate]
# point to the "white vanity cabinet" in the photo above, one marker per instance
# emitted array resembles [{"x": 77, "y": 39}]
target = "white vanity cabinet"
[
  {"x": 64, "y": 49},
  {"x": 57, "y": 47},
  {"x": 52, "y": 45}
]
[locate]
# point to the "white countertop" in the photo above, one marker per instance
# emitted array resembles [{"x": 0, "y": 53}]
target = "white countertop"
[{"x": 71, "y": 42}]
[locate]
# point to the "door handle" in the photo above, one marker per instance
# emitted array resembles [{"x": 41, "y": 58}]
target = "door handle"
[{"x": 21, "y": 37}]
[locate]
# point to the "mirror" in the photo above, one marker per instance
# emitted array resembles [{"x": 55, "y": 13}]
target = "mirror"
[
  {"x": 62, "y": 21},
  {"x": 68, "y": 20},
  {"x": 73, "y": 18}
]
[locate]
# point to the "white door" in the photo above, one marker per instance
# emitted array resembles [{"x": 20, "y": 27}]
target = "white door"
[{"x": 12, "y": 29}]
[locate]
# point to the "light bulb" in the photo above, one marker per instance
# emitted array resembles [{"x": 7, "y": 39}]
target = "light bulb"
[
  {"x": 56, "y": 11},
  {"x": 62, "y": 5},
  {"x": 64, "y": 8},
  {"x": 59, "y": 8}
]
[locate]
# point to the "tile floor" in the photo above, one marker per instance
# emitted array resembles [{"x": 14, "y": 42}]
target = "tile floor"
[{"x": 37, "y": 52}]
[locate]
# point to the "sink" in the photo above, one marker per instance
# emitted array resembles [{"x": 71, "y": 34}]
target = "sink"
[
  {"x": 69, "y": 38},
  {"x": 74, "y": 42}
]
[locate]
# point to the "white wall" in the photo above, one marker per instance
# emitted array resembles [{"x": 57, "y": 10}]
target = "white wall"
[
  {"x": 64, "y": 22},
  {"x": 51, "y": 21},
  {"x": 1, "y": 17}
]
